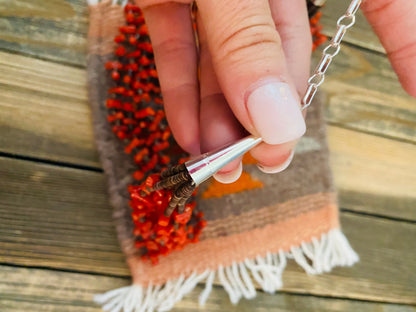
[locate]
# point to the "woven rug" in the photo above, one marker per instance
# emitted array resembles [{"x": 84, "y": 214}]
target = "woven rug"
[{"x": 251, "y": 228}]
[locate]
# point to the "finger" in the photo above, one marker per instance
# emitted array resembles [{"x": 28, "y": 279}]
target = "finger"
[
  {"x": 394, "y": 21},
  {"x": 294, "y": 30},
  {"x": 251, "y": 68},
  {"x": 171, "y": 32},
  {"x": 274, "y": 158},
  {"x": 217, "y": 122}
]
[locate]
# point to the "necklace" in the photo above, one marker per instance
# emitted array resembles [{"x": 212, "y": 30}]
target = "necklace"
[{"x": 164, "y": 218}]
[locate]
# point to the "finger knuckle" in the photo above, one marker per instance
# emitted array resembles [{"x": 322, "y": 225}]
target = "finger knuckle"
[
  {"x": 174, "y": 47},
  {"x": 246, "y": 40}
]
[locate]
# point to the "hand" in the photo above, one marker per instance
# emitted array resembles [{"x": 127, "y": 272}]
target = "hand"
[
  {"x": 394, "y": 21},
  {"x": 254, "y": 59}
]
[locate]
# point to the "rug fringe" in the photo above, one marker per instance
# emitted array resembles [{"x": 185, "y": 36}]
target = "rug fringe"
[{"x": 238, "y": 280}]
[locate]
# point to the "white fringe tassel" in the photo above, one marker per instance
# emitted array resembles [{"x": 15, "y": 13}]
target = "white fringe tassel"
[{"x": 238, "y": 280}]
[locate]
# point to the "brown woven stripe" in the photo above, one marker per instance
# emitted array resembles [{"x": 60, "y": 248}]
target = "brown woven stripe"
[{"x": 258, "y": 218}]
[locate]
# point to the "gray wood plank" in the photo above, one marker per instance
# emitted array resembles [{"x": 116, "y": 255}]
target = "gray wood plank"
[
  {"x": 56, "y": 30},
  {"x": 48, "y": 29},
  {"x": 59, "y": 217},
  {"x": 36, "y": 290}
]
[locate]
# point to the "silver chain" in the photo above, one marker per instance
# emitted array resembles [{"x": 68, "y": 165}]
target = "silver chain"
[{"x": 345, "y": 22}]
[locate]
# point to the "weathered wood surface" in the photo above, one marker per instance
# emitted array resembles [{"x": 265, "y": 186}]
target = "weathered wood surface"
[
  {"x": 49, "y": 29},
  {"x": 60, "y": 218},
  {"x": 362, "y": 94},
  {"x": 56, "y": 29},
  {"x": 44, "y": 111},
  {"x": 374, "y": 174},
  {"x": 36, "y": 290},
  {"x": 45, "y": 115}
]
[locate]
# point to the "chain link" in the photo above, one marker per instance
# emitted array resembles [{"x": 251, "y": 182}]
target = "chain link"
[{"x": 345, "y": 22}]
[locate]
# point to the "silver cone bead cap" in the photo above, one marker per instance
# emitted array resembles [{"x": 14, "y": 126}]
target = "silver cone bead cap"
[{"x": 206, "y": 165}]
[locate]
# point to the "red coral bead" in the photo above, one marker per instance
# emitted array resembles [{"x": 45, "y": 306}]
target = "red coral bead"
[
  {"x": 132, "y": 40},
  {"x": 139, "y": 20},
  {"x": 112, "y": 103},
  {"x": 143, "y": 30},
  {"x": 138, "y": 175},
  {"x": 129, "y": 29},
  {"x": 113, "y": 65},
  {"x": 163, "y": 220},
  {"x": 117, "y": 90},
  {"x": 134, "y": 54},
  {"x": 133, "y": 8},
  {"x": 120, "y": 51},
  {"x": 120, "y": 38},
  {"x": 130, "y": 17},
  {"x": 126, "y": 79},
  {"x": 146, "y": 97},
  {"x": 115, "y": 75},
  {"x": 144, "y": 61}
]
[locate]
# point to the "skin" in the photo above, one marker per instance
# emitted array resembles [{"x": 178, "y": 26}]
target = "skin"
[{"x": 242, "y": 42}]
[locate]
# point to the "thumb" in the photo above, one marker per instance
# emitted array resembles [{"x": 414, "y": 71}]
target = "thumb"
[{"x": 250, "y": 65}]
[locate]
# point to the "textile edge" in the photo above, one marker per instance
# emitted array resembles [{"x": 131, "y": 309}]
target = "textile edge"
[{"x": 239, "y": 279}]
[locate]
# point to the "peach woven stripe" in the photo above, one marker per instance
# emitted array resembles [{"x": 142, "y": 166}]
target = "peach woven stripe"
[
  {"x": 258, "y": 218},
  {"x": 211, "y": 253}
]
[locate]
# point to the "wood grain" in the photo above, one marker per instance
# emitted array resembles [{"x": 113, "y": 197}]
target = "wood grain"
[
  {"x": 45, "y": 115},
  {"x": 60, "y": 218},
  {"x": 362, "y": 93},
  {"x": 48, "y": 118},
  {"x": 44, "y": 111},
  {"x": 28, "y": 27},
  {"x": 374, "y": 174},
  {"x": 49, "y": 29},
  {"x": 36, "y": 290}
]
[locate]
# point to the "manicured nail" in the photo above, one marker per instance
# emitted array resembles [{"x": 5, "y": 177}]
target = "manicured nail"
[
  {"x": 229, "y": 177},
  {"x": 275, "y": 113},
  {"x": 279, "y": 168}
]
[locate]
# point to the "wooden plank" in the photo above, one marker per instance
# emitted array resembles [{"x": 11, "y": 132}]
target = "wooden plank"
[
  {"x": 49, "y": 29},
  {"x": 361, "y": 91},
  {"x": 56, "y": 30},
  {"x": 44, "y": 111},
  {"x": 374, "y": 174},
  {"x": 59, "y": 217},
  {"x": 35, "y": 290},
  {"x": 48, "y": 118}
]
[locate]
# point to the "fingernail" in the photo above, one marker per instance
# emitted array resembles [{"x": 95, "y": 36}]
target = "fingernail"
[
  {"x": 275, "y": 113},
  {"x": 229, "y": 177},
  {"x": 279, "y": 168}
]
